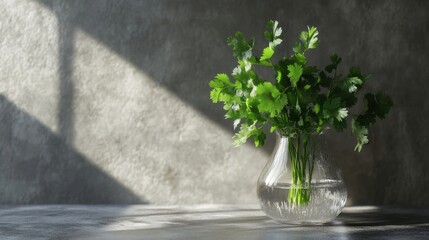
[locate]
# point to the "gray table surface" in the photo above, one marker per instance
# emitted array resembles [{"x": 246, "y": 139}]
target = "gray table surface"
[{"x": 201, "y": 222}]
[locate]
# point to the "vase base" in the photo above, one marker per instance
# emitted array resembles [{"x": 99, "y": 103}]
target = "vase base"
[{"x": 327, "y": 199}]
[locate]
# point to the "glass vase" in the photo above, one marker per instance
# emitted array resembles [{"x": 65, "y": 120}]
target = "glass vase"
[{"x": 300, "y": 184}]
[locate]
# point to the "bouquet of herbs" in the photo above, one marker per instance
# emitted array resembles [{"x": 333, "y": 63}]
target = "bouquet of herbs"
[{"x": 300, "y": 100}]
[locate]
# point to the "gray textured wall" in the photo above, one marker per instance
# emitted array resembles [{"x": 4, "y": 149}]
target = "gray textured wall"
[{"x": 107, "y": 101}]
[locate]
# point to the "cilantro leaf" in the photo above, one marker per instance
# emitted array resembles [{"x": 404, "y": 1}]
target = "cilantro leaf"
[
  {"x": 384, "y": 103},
  {"x": 378, "y": 104},
  {"x": 267, "y": 53},
  {"x": 259, "y": 137},
  {"x": 298, "y": 48},
  {"x": 245, "y": 132},
  {"x": 221, "y": 80},
  {"x": 335, "y": 61},
  {"x": 242, "y": 48},
  {"x": 220, "y": 85},
  {"x": 215, "y": 95},
  {"x": 273, "y": 34},
  {"x": 316, "y": 108},
  {"x": 312, "y": 40},
  {"x": 299, "y": 58},
  {"x": 332, "y": 109},
  {"x": 341, "y": 114},
  {"x": 269, "y": 33},
  {"x": 309, "y": 40},
  {"x": 361, "y": 133},
  {"x": 351, "y": 84},
  {"x": 295, "y": 72},
  {"x": 278, "y": 76},
  {"x": 267, "y": 88},
  {"x": 270, "y": 99}
]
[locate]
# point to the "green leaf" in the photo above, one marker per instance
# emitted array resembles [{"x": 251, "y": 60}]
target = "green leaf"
[
  {"x": 332, "y": 109},
  {"x": 299, "y": 58},
  {"x": 273, "y": 34},
  {"x": 366, "y": 119},
  {"x": 355, "y": 72},
  {"x": 267, "y": 106},
  {"x": 277, "y": 31},
  {"x": 341, "y": 114},
  {"x": 295, "y": 72},
  {"x": 279, "y": 103},
  {"x": 267, "y": 53},
  {"x": 279, "y": 76},
  {"x": 324, "y": 80},
  {"x": 332, "y": 104},
  {"x": 269, "y": 33},
  {"x": 309, "y": 40},
  {"x": 316, "y": 108},
  {"x": 245, "y": 132},
  {"x": 267, "y": 88},
  {"x": 384, "y": 103},
  {"x": 221, "y": 80},
  {"x": 378, "y": 104},
  {"x": 298, "y": 48},
  {"x": 273, "y": 128},
  {"x": 259, "y": 137},
  {"x": 312, "y": 41},
  {"x": 335, "y": 61},
  {"x": 275, "y": 43},
  {"x": 270, "y": 99},
  {"x": 361, "y": 133},
  {"x": 242, "y": 48},
  {"x": 221, "y": 86},
  {"x": 351, "y": 84},
  {"x": 215, "y": 94}
]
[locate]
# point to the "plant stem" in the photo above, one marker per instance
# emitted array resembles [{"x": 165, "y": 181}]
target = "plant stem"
[{"x": 301, "y": 157}]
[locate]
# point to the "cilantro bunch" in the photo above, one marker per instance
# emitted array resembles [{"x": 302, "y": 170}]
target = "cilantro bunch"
[{"x": 301, "y": 100}]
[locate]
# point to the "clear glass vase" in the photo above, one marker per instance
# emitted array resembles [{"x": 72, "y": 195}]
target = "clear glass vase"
[{"x": 300, "y": 185}]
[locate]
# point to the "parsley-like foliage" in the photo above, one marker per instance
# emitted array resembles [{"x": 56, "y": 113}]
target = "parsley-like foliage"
[{"x": 302, "y": 100}]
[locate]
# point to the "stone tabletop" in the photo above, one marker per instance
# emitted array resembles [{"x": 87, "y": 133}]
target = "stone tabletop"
[{"x": 201, "y": 222}]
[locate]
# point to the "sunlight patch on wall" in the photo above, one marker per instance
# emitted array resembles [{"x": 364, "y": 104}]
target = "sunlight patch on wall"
[
  {"x": 29, "y": 59},
  {"x": 149, "y": 139}
]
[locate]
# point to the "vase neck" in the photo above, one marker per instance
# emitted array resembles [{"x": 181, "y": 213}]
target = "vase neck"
[
  {"x": 278, "y": 161},
  {"x": 281, "y": 151},
  {"x": 282, "y": 140}
]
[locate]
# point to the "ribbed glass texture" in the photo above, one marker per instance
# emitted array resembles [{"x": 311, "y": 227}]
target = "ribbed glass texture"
[{"x": 300, "y": 184}]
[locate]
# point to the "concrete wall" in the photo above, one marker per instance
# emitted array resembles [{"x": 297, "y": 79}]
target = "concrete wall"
[{"x": 107, "y": 101}]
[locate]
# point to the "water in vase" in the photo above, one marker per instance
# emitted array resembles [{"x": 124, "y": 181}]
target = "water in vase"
[{"x": 327, "y": 199}]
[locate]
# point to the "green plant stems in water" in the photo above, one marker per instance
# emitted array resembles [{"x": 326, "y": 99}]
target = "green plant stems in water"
[{"x": 302, "y": 156}]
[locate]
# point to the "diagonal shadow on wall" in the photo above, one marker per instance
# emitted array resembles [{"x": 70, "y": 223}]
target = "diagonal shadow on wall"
[
  {"x": 37, "y": 166},
  {"x": 171, "y": 41}
]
